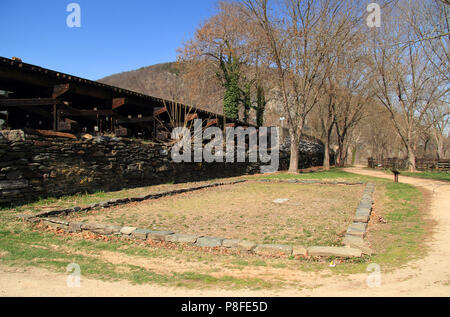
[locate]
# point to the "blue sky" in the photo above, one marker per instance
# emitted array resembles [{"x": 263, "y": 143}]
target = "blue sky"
[{"x": 115, "y": 35}]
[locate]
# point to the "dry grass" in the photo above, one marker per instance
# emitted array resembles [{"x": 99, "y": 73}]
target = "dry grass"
[
  {"x": 396, "y": 243},
  {"x": 84, "y": 200},
  {"x": 314, "y": 214}
]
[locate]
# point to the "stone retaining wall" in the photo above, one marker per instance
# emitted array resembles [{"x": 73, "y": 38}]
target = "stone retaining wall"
[{"x": 33, "y": 167}]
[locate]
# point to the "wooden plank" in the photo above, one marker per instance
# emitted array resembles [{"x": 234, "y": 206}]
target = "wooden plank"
[
  {"x": 31, "y": 102},
  {"x": 136, "y": 120},
  {"x": 230, "y": 125},
  {"x": 64, "y": 125},
  {"x": 49, "y": 133},
  {"x": 136, "y": 102},
  {"x": 38, "y": 111},
  {"x": 212, "y": 122},
  {"x": 119, "y": 102},
  {"x": 86, "y": 113},
  {"x": 121, "y": 131},
  {"x": 59, "y": 90},
  {"x": 55, "y": 117},
  {"x": 159, "y": 111},
  {"x": 192, "y": 117}
]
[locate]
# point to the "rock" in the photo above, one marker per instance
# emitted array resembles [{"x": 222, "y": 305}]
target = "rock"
[
  {"x": 126, "y": 231},
  {"x": 122, "y": 201},
  {"x": 356, "y": 233},
  {"x": 75, "y": 227},
  {"x": 5, "y": 193},
  {"x": 159, "y": 235},
  {"x": 100, "y": 139},
  {"x": 367, "y": 199},
  {"x": 230, "y": 243},
  {"x": 141, "y": 234},
  {"x": 273, "y": 249},
  {"x": 209, "y": 242},
  {"x": 358, "y": 243},
  {"x": 163, "y": 152},
  {"x": 98, "y": 154},
  {"x": 280, "y": 201},
  {"x": 357, "y": 229},
  {"x": 342, "y": 252},
  {"x": 363, "y": 211},
  {"x": 98, "y": 228},
  {"x": 367, "y": 196},
  {"x": 358, "y": 226},
  {"x": 34, "y": 220},
  {"x": 90, "y": 226},
  {"x": 13, "y": 135},
  {"x": 182, "y": 238},
  {"x": 138, "y": 199},
  {"x": 59, "y": 221},
  {"x": 54, "y": 225},
  {"x": 353, "y": 241},
  {"x": 162, "y": 169},
  {"x": 115, "y": 230},
  {"x": 364, "y": 218},
  {"x": 22, "y": 161},
  {"x": 24, "y": 216},
  {"x": 299, "y": 250},
  {"x": 239, "y": 244},
  {"x": 13, "y": 184},
  {"x": 362, "y": 215},
  {"x": 310, "y": 182},
  {"x": 369, "y": 191},
  {"x": 365, "y": 205},
  {"x": 103, "y": 204}
]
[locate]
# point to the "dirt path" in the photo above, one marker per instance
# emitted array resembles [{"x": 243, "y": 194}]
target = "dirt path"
[{"x": 429, "y": 276}]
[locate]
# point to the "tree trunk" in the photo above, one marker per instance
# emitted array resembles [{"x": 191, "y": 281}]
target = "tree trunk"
[
  {"x": 326, "y": 159},
  {"x": 440, "y": 148},
  {"x": 411, "y": 159},
  {"x": 293, "y": 164},
  {"x": 345, "y": 157},
  {"x": 354, "y": 155},
  {"x": 341, "y": 153}
]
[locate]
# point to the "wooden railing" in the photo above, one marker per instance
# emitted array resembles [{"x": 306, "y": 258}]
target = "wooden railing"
[{"x": 402, "y": 164}]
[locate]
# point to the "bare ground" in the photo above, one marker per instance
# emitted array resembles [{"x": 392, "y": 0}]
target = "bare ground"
[
  {"x": 84, "y": 200},
  {"x": 429, "y": 276},
  {"x": 313, "y": 215}
]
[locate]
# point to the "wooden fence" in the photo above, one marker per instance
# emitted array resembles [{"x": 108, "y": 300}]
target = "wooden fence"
[{"x": 402, "y": 164}]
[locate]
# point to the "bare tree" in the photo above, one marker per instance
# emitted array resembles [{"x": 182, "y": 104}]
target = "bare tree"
[
  {"x": 406, "y": 85},
  {"x": 349, "y": 110},
  {"x": 437, "y": 120},
  {"x": 349, "y": 89},
  {"x": 225, "y": 43},
  {"x": 431, "y": 25},
  {"x": 299, "y": 36},
  {"x": 327, "y": 121}
]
